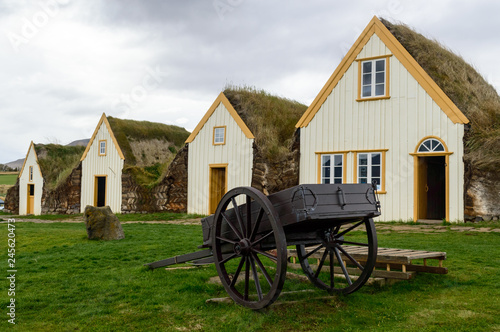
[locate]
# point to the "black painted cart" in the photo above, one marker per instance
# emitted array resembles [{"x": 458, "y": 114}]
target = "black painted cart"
[{"x": 248, "y": 235}]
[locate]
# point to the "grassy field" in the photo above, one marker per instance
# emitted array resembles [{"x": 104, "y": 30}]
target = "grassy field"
[
  {"x": 66, "y": 282},
  {"x": 9, "y": 178}
]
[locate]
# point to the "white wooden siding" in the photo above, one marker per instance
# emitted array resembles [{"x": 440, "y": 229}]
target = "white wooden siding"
[
  {"x": 237, "y": 153},
  {"x": 24, "y": 180},
  {"x": 396, "y": 124},
  {"x": 94, "y": 165}
]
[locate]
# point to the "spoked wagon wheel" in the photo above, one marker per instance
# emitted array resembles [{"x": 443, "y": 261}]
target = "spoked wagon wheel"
[
  {"x": 347, "y": 253},
  {"x": 249, "y": 248}
]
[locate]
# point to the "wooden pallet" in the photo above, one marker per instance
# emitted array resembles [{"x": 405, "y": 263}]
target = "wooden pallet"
[{"x": 391, "y": 263}]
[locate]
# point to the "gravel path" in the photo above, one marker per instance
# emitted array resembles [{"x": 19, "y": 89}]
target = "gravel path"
[{"x": 381, "y": 227}]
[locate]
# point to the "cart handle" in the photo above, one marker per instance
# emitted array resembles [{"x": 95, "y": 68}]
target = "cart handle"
[
  {"x": 342, "y": 199},
  {"x": 306, "y": 208}
]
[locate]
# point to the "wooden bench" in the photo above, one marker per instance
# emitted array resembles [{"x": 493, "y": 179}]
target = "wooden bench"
[{"x": 391, "y": 263}]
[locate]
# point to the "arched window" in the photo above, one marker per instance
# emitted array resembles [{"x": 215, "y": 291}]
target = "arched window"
[{"x": 431, "y": 145}]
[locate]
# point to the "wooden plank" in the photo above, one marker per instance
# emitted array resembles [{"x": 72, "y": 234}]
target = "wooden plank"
[{"x": 415, "y": 268}]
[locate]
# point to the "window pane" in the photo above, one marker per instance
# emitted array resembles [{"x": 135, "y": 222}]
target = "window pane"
[
  {"x": 363, "y": 171},
  {"x": 422, "y": 148},
  {"x": 375, "y": 172},
  {"x": 337, "y": 181},
  {"x": 326, "y": 161},
  {"x": 440, "y": 147},
  {"x": 379, "y": 78},
  {"x": 379, "y": 89},
  {"x": 325, "y": 181},
  {"x": 337, "y": 172},
  {"x": 377, "y": 181},
  {"x": 367, "y": 91},
  {"x": 219, "y": 135},
  {"x": 367, "y": 79},
  {"x": 427, "y": 144},
  {"x": 326, "y": 172},
  {"x": 375, "y": 158},
  {"x": 338, "y": 160},
  {"x": 363, "y": 159},
  {"x": 380, "y": 65},
  {"x": 367, "y": 67},
  {"x": 362, "y": 180}
]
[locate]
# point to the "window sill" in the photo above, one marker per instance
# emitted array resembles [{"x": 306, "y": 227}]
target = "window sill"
[
  {"x": 373, "y": 98},
  {"x": 381, "y": 192}
]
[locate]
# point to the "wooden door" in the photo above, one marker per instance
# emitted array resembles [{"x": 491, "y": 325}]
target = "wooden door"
[
  {"x": 100, "y": 191},
  {"x": 436, "y": 195},
  {"x": 431, "y": 188},
  {"x": 30, "y": 208},
  {"x": 422, "y": 188},
  {"x": 217, "y": 187}
]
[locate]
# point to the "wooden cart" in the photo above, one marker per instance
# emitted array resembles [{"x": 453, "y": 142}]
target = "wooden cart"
[{"x": 248, "y": 236}]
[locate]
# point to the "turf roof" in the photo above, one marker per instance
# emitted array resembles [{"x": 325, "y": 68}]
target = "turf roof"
[
  {"x": 271, "y": 119},
  {"x": 470, "y": 92},
  {"x": 132, "y": 130},
  {"x": 57, "y": 161}
]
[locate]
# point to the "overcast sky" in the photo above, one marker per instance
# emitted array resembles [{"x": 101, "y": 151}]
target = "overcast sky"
[{"x": 65, "y": 62}]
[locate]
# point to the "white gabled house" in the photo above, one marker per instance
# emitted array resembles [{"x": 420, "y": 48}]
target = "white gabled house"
[
  {"x": 380, "y": 117},
  {"x": 220, "y": 156},
  {"x": 30, "y": 184},
  {"x": 102, "y": 165}
]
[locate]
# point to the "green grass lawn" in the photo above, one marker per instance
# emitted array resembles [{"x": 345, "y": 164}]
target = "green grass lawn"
[
  {"x": 9, "y": 179},
  {"x": 66, "y": 282}
]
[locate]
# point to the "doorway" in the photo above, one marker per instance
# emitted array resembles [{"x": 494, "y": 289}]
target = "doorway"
[
  {"x": 218, "y": 187},
  {"x": 431, "y": 187},
  {"x": 100, "y": 191},
  {"x": 30, "y": 208}
]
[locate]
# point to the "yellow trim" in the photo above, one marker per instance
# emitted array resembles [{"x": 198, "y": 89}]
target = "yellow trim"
[
  {"x": 29, "y": 198},
  {"x": 387, "y": 77},
  {"x": 213, "y": 136},
  {"x": 220, "y": 99},
  {"x": 429, "y": 137},
  {"x": 32, "y": 146},
  {"x": 113, "y": 138},
  {"x": 210, "y": 166},
  {"x": 105, "y": 189},
  {"x": 344, "y": 164},
  {"x": 105, "y": 147},
  {"x": 416, "y": 155},
  {"x": 382, "y": 174},
  {"x": 378, "y": 28}
]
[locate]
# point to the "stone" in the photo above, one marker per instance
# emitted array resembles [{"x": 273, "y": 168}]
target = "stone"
[
  {"x": 102, "y": 224},
  {"x": 494, "y": 218},
  {"x": 478, "y": 219},
  {"x": 487, "y": 218}
]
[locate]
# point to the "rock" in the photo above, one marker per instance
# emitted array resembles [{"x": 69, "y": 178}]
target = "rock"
[
  {"x": 494, "y": 218},
  {"x": 102, "y": 224},
  {"x": 487, "y": 218},
  {"x": 478, "y": 219}
]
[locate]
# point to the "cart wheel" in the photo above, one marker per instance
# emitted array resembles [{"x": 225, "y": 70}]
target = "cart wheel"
[
  {"x": 249, "y": 248},
  {"x": 343, "y": 248}
]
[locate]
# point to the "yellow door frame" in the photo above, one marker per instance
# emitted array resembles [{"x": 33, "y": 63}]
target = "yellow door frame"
[
  {"x": 96, "y": 189},
  {"x": 211, "y": 210},
  {"x": 416, "y": 176},
  {"x": 30, "y": 204}
]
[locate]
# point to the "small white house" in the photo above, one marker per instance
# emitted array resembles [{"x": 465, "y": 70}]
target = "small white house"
[
  {"x": 30, "y": 184},
  {"x": 102, "y": 165},
  {"x": 380, "y": 117},
  {"x": 220, "y": 156}
]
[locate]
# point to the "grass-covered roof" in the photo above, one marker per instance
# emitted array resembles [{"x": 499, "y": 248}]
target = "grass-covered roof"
[
  {"x": 57, "y": 161},
  {"x": 271, "y": 119},
  {"x": 475, "y": 97},
  {"x": 148, "y": 147}
]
